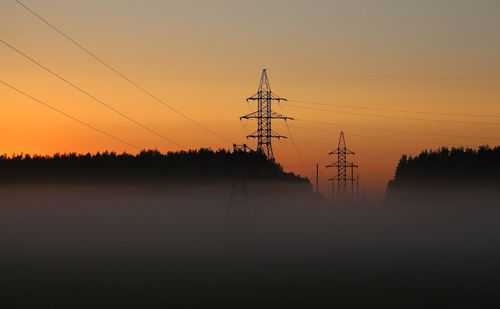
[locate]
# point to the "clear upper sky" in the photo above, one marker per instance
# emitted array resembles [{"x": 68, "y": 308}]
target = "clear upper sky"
[{"x": 205, "y": 57}]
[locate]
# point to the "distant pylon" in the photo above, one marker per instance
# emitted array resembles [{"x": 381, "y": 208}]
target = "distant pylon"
[
  {"x": 241, "y": 147},
  {"x": 238, "y": 197},
  {"x": 341, "y": 192},
  {"x": 264, "y": 115}
]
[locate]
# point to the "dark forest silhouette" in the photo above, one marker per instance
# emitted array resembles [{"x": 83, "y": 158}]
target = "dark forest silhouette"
[
  {"x": 449, "y": 168},
  {"x": 147, "y": 166}
]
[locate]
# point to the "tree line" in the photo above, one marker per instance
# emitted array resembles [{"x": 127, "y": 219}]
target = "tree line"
[
  {"x": 148, "y": 165},
  {"x": 444, "y": 167}
]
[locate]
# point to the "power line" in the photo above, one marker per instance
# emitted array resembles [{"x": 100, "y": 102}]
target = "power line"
[
  {"x": 282, "y": 152},
  {"x": 325, "y": 145},
  {"x": 330, "y": 145},
  {"x": 295, "y": 146},
  {"x": 293, "y": 141},
  {"x": 367, "y": 136},
  {"x": 398, "y": 131},
  {"x": 389, "y": 76},
  {"x": 364, "y": 148},
  {"x": 394, "y": 117},
  {"x": 70, "y": 116},
  {"x": 122, "y": 75},
  {"x": 395, "y": 110},
  {"x": 374, "y": 137},
  {"x": 91, "y": 96}
]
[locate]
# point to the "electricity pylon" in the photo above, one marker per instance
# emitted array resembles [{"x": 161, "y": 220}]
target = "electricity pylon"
[
  {"x": 342, "y": 165},
  {"x": 264, "y": 116},
  {"x": 241, "y": 148},
  {"x": 239, "y": 194},
  {"x": 238, "y": 197}
]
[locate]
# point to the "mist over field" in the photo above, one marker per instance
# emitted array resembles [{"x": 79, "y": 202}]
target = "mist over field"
[{"x": 187, "y": 246}]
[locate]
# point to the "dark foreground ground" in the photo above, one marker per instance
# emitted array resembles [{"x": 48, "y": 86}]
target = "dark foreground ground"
[{"x": 182, "y": 247}]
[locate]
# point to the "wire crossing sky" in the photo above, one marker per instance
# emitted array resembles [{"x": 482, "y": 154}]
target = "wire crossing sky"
[
  {"x": 93, "y": 55},
  {"x": 70, "y": 116},
  {"x": 395, "y": 110},
  {"x": 91, "y": 96}
]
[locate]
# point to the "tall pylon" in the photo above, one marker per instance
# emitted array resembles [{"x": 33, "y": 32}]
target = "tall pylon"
[
  {"x": 264, "y": 116},
  {"x": 342, "y": 165}
]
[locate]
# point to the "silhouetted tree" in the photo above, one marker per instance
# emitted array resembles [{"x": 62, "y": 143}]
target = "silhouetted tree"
[
  {"x": 148, "y": 165},
  {"x": 455, "y": 167}
]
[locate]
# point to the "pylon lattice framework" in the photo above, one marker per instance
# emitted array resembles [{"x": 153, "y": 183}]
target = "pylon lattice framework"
[
  {"x": 342, "y": 166},
  {"x": 264, "y": 116}
]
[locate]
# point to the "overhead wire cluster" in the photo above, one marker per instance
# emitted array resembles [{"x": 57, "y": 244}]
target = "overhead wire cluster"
[
  {"x": 394, "y": 76},
  {"x": 355, "y": 110},
  {"x": 392, "y": 113},
  {"x": 114, "y": 70},
  {"x": 394, "y": 117},
  {"x": 71, "y": 116},
  {"x": 88, "y": 94}
]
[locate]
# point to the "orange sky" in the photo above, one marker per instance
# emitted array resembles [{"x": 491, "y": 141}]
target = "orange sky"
[{"x": 204, "y": 58}]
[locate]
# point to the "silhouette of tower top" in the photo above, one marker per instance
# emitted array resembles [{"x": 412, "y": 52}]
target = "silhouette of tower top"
[
  {"x": 264, "y": 116},
  {"x": 342, "y": 141},
  {"x": 264, "y": 84}
]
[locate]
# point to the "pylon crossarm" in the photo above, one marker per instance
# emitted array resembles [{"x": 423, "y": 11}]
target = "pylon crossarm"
[
  {"x": 277, "y": 98},
  {"x": 255, "y": 97},
  {"x": 275, "y": 115},
  {"x": 273, "y": 97},
  {"x": 253, "y": 135},
  {"x": 347, "y": 152},
  {"x": 333, "y": 165},
  {"x": 274, "y": 135},
  {"x": 256, "y": 135},
  {"x": 347, "y": 164},
  {"x": 250, "y": 116}
]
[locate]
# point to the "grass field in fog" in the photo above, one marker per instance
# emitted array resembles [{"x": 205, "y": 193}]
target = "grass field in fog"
[{"x": 183, "y": 246}]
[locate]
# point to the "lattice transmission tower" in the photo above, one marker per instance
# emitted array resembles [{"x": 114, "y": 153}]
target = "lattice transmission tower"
[
  {"x": 264, "y": 116},
  {"x": 343, "y": 166}
]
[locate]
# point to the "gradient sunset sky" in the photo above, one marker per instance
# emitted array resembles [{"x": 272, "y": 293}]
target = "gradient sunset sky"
[{"x": 205, "y": 57}]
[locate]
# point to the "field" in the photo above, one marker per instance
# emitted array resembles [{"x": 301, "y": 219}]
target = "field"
[{"x": 196, "y": 246}]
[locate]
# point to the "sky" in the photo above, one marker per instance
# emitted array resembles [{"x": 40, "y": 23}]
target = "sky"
[{"x": 388, "y": 73}]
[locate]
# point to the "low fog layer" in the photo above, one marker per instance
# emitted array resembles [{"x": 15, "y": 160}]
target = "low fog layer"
[{"x": 201, "y": 245}]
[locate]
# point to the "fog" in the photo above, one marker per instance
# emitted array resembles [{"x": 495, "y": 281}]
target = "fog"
[{"x": 199, "y": 245}]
